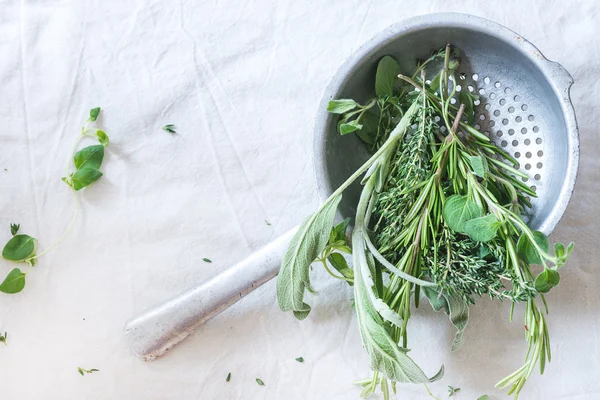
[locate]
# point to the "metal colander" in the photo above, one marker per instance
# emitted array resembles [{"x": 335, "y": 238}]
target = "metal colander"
[{"x": 524, "y": 104}]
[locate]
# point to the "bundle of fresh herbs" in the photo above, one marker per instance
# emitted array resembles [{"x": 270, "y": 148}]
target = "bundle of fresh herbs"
[{"x": 440, "y": 216}]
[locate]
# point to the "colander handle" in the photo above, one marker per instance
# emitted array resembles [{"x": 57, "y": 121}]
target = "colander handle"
[
  {"x": 154, "y": 332},
  {"x": 560, "y": 77}
]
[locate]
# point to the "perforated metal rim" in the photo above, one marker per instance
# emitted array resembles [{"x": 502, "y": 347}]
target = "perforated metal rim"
[{"x": 557, "y": 77}]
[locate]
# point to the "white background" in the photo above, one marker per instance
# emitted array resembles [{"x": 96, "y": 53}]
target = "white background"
[{"x": 241, "y": 80}]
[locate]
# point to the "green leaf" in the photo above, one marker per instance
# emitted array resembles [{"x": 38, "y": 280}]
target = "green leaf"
[
  {"x": 466, "y": 98},
  {"x": 478, "y": 165},
  {"x": 19, "y": 247},
  {"x": 387, "y": 73},
  {"x": 349, "y": 127},
  {"x": 170, "y": 128},
  {"x": 89, "y": 157},
  {"x": 260, "y": 382},
  {"x": 85, "y": 177},
  {"x": 386, "y": 356},
  {"x": 14, "y": 282},
  {"x": 455, "y": 307},
  {"x": 482, "y": 229},
  {"x": 341, "y": 106},
  {"x": 228, "y": 377},
  {"x": 559, "y": 250},
  {"x": 484, "y": 397},
  {"x": 435, "y": 82},
  {"x": 14, "y": 228},
  {"x": 80, "y": 371},
  {"x": 304, "y": 248},
  {"x": 458, "y": 210},
  {"x": 546, "y": 280},
  {"x": 300, "y": 359},
  {"x": 207, "y": 260},
  {"x": 370, "y": 122},
  {"x": 94, "y": 112},
  {"x": 341, "y": 265},
  {"x": 527, "y": 250},
  {"x": 102, "y": 137},
  {"x": 452, "y": 390},
  {"x": 338, "y": 233}
]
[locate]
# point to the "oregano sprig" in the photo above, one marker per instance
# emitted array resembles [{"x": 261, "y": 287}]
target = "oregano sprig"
[{"x": 87, "y": 163}]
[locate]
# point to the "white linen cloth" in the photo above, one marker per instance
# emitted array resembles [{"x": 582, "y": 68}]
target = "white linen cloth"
[{"x": 241, "y": 81}]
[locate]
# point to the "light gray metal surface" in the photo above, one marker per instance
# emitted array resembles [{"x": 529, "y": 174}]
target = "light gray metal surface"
[
  {"x": 154, "y": 332},
  {"x": 524, "y": 107}
]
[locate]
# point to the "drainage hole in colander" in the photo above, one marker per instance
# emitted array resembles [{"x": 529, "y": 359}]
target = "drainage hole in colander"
[
  {"x": 524, "y": 131},
  {"x": 453, "y": 101},
  {"x": 517, "y": 98},
  {"x": 502, "y": 102},
  {"x": 518, "y": 119},
  {"x": 511, "y": 109},
  {"x": 538, "y": 141},
  {"x": 540, "y": 153},
  {"x": 528, "y": 154},
  {"x": 482, "y": 117},
  {"x": 537, "y": 177},
  {"x": 517, "y": 155},
  {"x": 482, "y": 91},
  {"x": 536, "y": 129},
  {"x": 471, "y": 88},
  {"x": 505, "y": 121},
  {"x": 475, "y": 77},
  {"x": 462, "y": 76},
  {"x": 531, "y": 118},
  {"x": 524, "y": 107},
  {"x": 504, "y": 143},
  {"x": 507, "y": 90},
  {"x": 497, "y": 113},
  {"x": 515, "y": 143},
  {"x": 527, "y": 142},
  {"x": 458, "y": 88},
  {"x": 533, "y": 187},
  {"x": 527, "y": 166},
  {"x": 539, "y": 165},
  {"x": 486, "y": 80},
  {"x": 499, "y": 133},
  {"x": 511, "y": 132},
  {"x": 497, "y": 84},
  {"x": 477, "y": 102},
  {"x": 492, "y": 96},
  {"x": 488, "y": 106},
  {"x": 492, "y": 123}
]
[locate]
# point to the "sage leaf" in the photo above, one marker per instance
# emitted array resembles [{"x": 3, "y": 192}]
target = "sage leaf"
[
  {"x": 455, "y": 307},
  {"x": 482, "y": 229},
  {"x": 14, "y": 282},
  {"x": 94, "y": 112},
  {"x": 458, "y": 210},
  {"x": 546, "y": 280},
  {"x": 19, "y": 248},
  {"x": 89, "y": 157},
  {"x": 386, "y": 356},
  {"x": 341, "y": 106},
  {"x": 102, "y": 137},
  {"x": 527, "y": 250},
  {"x": 85, "y": 177},
  {"x": 478, "y": 165},
  {"x": 368, "y": 132},
  {"x": 304, "y": 248},
  {"x": 386, "y": 75}
]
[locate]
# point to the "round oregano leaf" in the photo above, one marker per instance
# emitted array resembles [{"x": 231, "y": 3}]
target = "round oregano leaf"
[
  {"x": 341, "y": 106},
  {"x": 89, "y": 157},
  {"x": 19, "y": 248},
  {"x": 84, "y": 177},
  {"x": 14, "y": 282},
  {"x": 527, "y": 250},
  {"x": 546, "y": 280},
  {"x": 386, "y": 76},
  {"x": 458, "y": 210},
  {"x": 482, "y": 229}
]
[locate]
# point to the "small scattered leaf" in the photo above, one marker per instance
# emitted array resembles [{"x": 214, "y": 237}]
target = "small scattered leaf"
[
  {"x": 14, "y": 229},
  {"x": 452, "y": 390},
  {"x": 527, "y": 250},
  {"x": 19, "y": 247},
  {"x": 207, "y": 260},
  {"x": 102, "y": 137},
  {"x": 260, "y": 382},
  {"x": 386, "y": 76},
  {"x": 338, "y": 232},
  {"x": 341, "y": 265},
  {"x": 14, "y": 282},
  {"x": 300, "y": 359},
  {"x": 458, "y": 210},
  {"x": 484, "y": 397},
  {"x": 369, "y": 122},
  {"x": 94, "y": 112},
  {"x": 84, "y": 177},
  {"x": 89, "y": 157},
  {"x": 482, "y": 229},
  {"x": 170, "y": 128},
  {"x": 341, "y": 106},
  {"x": 228, "y": 377},
  {"x": 3, "y": 338},
  {"x": 546, "y": 280},
  {"x": 267, "y": 222}
]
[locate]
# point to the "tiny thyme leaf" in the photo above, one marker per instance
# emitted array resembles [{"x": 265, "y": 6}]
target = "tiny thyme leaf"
[
  {"x": 228, "y": 377},
  {"x": 452, "y": 390},
  {"x": 3, "y": 338},
  {"x": 207, "y": 260},
  {"x": 14, "y": 229},
  {"x": 300, "y": 359},
  {"x": 260, "y": 382},
  {"x": 170, "y": 128}
]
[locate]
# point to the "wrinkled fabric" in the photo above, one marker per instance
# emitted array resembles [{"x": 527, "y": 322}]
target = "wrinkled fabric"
[{"x": 241, "y": 81}]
